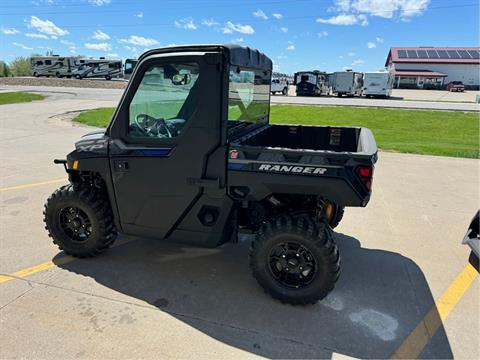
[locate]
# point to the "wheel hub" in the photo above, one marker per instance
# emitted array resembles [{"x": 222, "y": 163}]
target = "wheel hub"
[
  {"x": 292, "y": 264},
  {"x": 75, "y": 224}
]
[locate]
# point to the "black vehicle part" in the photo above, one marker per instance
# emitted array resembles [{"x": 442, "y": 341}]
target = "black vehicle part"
[
  {"x": 334, "y": 213},
  {"x": 295, "y": 259},
  {"x": 79, "y": 220}
]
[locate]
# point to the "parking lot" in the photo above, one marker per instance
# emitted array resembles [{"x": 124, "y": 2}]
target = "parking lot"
[{"x": 406, "y": 289}]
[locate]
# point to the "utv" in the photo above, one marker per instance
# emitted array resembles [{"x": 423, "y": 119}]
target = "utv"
[{"x": 190, "y": 156}]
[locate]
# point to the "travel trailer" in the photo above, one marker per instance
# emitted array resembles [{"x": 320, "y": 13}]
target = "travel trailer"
[
  {"x": 377, "y": 84},
  {"x": 348, "y": 83},
  {"x": 311, "y": 83}
]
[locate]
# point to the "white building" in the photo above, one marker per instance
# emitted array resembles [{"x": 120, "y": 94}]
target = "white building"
[{"x": 433, "y": 68}]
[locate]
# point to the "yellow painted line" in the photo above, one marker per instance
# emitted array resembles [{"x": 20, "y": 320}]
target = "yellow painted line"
[
  {"x": 26, "y": 186},
  {"x": 414, "y": 344},
  {"x": 35, "y": 269}
]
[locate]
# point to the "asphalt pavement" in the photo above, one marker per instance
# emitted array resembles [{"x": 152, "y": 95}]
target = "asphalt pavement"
[
  {"x": 115, "y": 94},
  {"x": 405, "y": 287}
]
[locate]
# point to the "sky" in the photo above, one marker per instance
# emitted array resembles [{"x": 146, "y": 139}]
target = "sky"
[{"x": 326, "y": 35}]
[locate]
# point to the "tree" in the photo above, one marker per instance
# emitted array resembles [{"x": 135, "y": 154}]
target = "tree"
[
  {"x": 4, "y": 69},
  {"x": 21, "y": 66}
]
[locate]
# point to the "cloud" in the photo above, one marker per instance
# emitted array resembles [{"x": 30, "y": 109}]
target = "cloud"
[
  {"x": 277, "y": 16},
  {"x": 99, "y": 2},
  {"x": 383, "y": 8},
  {"x": 47, "y": 27},
  {"x": 357, "y": 62},
  {"x": 379, "y": 40},
  {"x": 351, "y": 53},
  {"x": 24, "y": 47},
  {"x": 371, "y": 45},
  {"x": 66, "y": 42},
  {"x": 139, "y": 41},
  {"x": 100, "y": 35},
  {"x": 9, "y": 31},
  {"x": 242, "y": 29},
  {"x": 98, "y": 46},
  {"x": 345, "y": 20},
  {"x": 114, "y": 55},
  {"x": 322, "y": 34},
  {"x": 290, "y": 47},
  {"x": 238, "y": 40},
  {"x": 139, "y": 15},
  {"x": 186, "y": 23},
  {"x": 284, "y": 29},
  {"x": 209, "y": 22},
  {"x": 36, "y": 36},
  {"x": 260, "y": 14}
]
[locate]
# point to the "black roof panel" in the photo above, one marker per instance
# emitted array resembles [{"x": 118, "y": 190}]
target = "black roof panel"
[{"x": 236, "y": 54}]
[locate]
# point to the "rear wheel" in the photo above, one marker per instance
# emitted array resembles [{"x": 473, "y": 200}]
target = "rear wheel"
[
  {"x": 295, "y": 259},
  {"x": 36, "y": 74},
  {"x": 58, "y": 75},
  {"x": 79, "y": 220},
  {"x": 108, "y": 77},
  {"x": 78, "y": 77}
]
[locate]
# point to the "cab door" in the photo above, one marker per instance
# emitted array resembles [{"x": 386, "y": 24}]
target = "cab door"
[{"x": 167, "y": 124}]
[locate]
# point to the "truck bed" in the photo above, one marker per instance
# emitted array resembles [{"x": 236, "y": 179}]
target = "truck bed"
[{"x": 320, "y": 160}]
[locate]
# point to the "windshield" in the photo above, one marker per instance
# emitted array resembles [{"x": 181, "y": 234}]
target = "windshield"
[{"x": 249, "y": 96}]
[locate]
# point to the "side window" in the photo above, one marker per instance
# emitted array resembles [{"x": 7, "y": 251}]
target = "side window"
[
  {"x": 165, "y": 100},
  {"x": 48, "y": 62}
]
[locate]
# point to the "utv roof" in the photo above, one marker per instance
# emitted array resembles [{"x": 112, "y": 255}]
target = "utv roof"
[{"x": 235, "y": 54}]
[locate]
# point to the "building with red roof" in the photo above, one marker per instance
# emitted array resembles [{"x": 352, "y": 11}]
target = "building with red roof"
[{"x": 434, "y": 67}]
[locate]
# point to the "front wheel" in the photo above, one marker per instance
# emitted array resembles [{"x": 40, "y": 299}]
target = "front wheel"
[
  {"x": 78, "y": 77},
  {"x": 108, "y": 77},
  {"x": 79, "y": 220},
  {"x": 295, "y": 259}
]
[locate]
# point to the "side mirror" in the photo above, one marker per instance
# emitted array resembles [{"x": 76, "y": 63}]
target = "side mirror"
[{"x": 181, "y": 79}]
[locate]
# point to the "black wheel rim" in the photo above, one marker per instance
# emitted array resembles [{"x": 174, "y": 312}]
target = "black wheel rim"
[
  {"x": 292, "y": 264},
  {"x": 75, "y": 223}
]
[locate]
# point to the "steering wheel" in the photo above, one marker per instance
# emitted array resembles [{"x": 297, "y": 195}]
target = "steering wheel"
[{"x": 152, "y": 126}]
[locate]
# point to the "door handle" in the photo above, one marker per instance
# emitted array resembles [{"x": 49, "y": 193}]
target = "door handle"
[{"x": 121, "y": 165}]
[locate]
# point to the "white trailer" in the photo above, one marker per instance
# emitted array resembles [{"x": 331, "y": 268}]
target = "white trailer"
[
  {"x": 377, "y": 84},
  {"x": 98, "y": 68},
  {"x": 52, "y": 66},
  {"x": 348, "y": 83}
]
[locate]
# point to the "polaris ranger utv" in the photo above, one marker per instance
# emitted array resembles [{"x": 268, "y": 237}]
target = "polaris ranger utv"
[{"x": 190, "y": 156}]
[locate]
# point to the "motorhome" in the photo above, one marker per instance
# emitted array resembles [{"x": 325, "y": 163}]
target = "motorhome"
[
  {"x": 98, "y": 68},
  {"x": 52, "y": 66},
  {"x": 348, "y": 83},
  {"x": 377, "y": 84},
  {"x": 311, "y": 83},
  {"x": 128, "y": 67}
]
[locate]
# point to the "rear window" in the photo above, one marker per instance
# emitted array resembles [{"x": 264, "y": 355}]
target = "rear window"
[{"x": 249, "y": 95}]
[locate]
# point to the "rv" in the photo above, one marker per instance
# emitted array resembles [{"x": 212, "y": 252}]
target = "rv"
[
  {"x": 95, "y": 68},
  {"x": 348, "y": 83},
  {"x": 311, "y": 83},
  {"x": 52, "y": 66},
  {"x": 377, "y": 84},
  {"x": 128, "y": 68}
]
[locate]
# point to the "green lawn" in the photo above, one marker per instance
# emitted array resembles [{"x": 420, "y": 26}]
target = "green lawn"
[
  {"x": 18, "y": 97},
  {"x": 412, "y": 131}
]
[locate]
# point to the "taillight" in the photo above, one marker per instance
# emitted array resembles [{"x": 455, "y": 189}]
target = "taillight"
[{"x": 365, "y": 173}]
